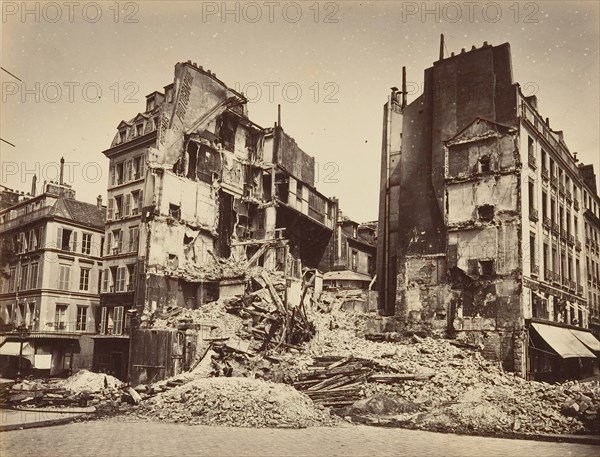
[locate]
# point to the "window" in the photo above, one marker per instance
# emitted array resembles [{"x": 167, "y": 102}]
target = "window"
[
  {"x": 486, "y": 267},
  {"x": 22, "y": 243},
  {"x": 33, "y": 276},
  {"x": 531, "y": 189},
  {"x": 32, "y": 243},
  {"x": 118, "y": 206},
  {"x": 137, "y": 167},
  {"x": 110, "y": 209},
  {"x": 64, "y": 273},
  {"x": 111, "y": 321},
  {"x": 12, "y": 280},
  {"x": 120, "y": 282},
  {"x": 354, "y": 260},
  {"x": 101, "y": 247},
  {"x": 117, "y": 244},
  {"x": 66, "y": 239},
  {"x": 60, "y": 317},
  {"x": 532, "y": 251},
  {"x": 84, "y": 279},
  {"x": 134, "y": 234},
  {"x": 81, "y": 318},
  {"x": 484, "y": 164},
  {"x": 530, "y": 145},
  {"x": 355, "y": 232},
  {"x": 86, "y": 243},
  {"x": 546, "y": 264},
  {"x": 23, "y": 282},
  {"x": 544, "y": 205},
  {"x": 139, "y": 129},
  {"x": 130, "y": 277},
  {"x": 136, "y": 204},
  {"x": 486, "y": 212},
  {"x": 105, "y": 278},
  {"x": 119, "y": 174},
  {"x": 174, "y": 211},
  {"x": 299, "y": 193}
]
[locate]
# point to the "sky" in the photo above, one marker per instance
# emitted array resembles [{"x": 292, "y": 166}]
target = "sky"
[{"x": 77, "y": 70}]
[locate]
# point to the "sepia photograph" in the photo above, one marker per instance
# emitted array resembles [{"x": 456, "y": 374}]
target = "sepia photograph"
[{"x": 300, "y": 228}]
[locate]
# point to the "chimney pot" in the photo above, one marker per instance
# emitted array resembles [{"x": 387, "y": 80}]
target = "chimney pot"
[
  {"x": 462, "y": 51},
  {"x": 473, "y": 48},
  {"x": 99, "y": 201},
  {"x": 485, "y": 43}
]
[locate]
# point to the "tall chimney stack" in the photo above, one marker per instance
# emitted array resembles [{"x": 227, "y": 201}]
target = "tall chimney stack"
[
  {"x": 279, "y": 114},
  {"x": 403, "y": 87},
  {"x": 33, "y": 185},
  {"x": 441, "y": 46},
  {"x": 62, "y": 169}
]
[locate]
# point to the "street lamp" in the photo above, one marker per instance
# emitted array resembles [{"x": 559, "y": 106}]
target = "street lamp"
[{"x": 23, "y": 332}]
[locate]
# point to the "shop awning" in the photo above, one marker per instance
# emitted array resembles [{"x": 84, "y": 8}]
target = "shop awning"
[
  {"x": 14, "y": 348},
  {"x": 588, "y": 339},
  {"x": 562, "y": 341}
]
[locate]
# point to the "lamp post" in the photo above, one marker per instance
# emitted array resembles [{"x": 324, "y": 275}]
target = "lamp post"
[{"x": 23, "y": 332}]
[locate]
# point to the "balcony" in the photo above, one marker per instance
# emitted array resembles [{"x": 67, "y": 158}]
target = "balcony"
[
  {"x": 547, "y": 274},
  {"x": 579, "y": 290},
  {"x": 556, "y": 277},
  {"x": 561, "y": 189},
  {"x": 25, "y": 218},
  {"x": 563, "y": 234},
  {"x": 569, "y": 197},
  {"x": 571, "y": 240},
  {"x": 547, "y": 223},
  {"x": 545, "y": 173},
  {"x": 554, "y": 181},
  {"x": 531, "y": 161},
  {"x": 578, "y": 245},
  {"x": 555, "y": 228},
  {"x": 49, "y": 328},
  {"x": 533, "y": 215},
  {"x": 535, "y": 270},
  {"x": 576, "y": 204}
]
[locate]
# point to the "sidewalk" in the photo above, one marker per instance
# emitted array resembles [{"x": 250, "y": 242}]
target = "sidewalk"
[{"x": 18, "y": 419}]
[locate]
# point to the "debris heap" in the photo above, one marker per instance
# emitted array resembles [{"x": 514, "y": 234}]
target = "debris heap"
[{"x": 237, "y": 402}]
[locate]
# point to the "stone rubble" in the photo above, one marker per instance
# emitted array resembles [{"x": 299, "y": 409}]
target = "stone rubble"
[{"x": 237, "y": 402}]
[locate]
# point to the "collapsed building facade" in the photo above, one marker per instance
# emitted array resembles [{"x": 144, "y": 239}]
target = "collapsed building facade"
[
  {"x": 196, "y": 192},
  {"x": 467, "y": 168}
]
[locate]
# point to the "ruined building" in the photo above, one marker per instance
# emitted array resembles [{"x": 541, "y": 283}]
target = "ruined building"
[
  {"x": 354, "y": 252},
  {"x": 481, "y": 221},
  {"x": 49, "y": 279},
  {"x": 197, "y": 192}
]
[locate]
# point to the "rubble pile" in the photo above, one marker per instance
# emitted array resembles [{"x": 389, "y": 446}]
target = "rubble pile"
[
  {"x": 238, "y": 402},
  {"x": 82, "y": 389},
  {"x": 272, "y": 320},
  {"x": 443, "y": 385},
  {"x": 87, "y": 381},
  {"x": 337, "y": 381}
]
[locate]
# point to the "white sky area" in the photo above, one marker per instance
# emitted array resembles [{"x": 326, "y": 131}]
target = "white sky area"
[{"x": 343, "y": 56}]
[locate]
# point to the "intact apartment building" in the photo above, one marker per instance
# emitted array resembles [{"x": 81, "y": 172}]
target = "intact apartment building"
[
  {"x": 591, "y": 221},
  {"x": 50, "y": 274},
  {"x": 195, "y": 184},
  {"x": 482, "y": 219}
]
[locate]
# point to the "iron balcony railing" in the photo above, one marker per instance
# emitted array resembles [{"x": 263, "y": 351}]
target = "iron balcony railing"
[
  {"x": 531, "y": 160},
  {"x": 56, "y": 327},
  {"x": 545, "y": 174},
  {"x": 24, "y": 218},
  {"x": 535, "y": 270}
]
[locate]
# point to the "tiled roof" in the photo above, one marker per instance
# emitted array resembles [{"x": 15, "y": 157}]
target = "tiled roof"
[{"x": 84, "y": 213}]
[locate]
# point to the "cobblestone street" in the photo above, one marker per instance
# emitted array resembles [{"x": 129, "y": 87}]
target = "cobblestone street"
[{"x": 115, "y": 438}]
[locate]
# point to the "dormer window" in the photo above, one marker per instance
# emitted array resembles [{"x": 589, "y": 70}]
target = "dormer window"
[
  {"x": 169, "y": 95},
  {"x": 150, "y": 105},
  {"x": 139, "y": 129},
  {"x": 122, "y": 135}
]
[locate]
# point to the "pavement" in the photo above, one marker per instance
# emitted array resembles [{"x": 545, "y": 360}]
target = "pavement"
[
  {"x": 19, "y": 419},
  {"x": 126, "y": 437},
  {"x": 45, "y": 417}
]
